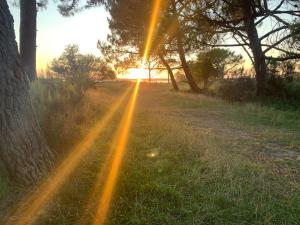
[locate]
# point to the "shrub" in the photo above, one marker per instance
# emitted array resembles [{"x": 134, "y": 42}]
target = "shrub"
[
  {"x": 239, "y": 89},
  {"x": 275, "y": 87},
  {"x": 62, "y": 110},
  {"x": 284, "y": 88},
  {"x": 74, "y": 65},
  {"x": 214, "y": 87},
  {"x": 292, "y": 90}
]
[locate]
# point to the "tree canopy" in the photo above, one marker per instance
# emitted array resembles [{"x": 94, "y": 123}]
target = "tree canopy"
[
  {"x": 215, "y": 63},
  {"x": 73, "y": 64}
]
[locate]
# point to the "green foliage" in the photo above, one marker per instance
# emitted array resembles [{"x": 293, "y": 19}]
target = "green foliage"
[
  {"x": 239, "y": 89},
  {"x": 283, "y": 88},
  {"x": 292, "y": 90},
  {"x": 288, "y": 67},
  {"x": 126, "y": 44},
  {"x": 215, "y": 63},
  {"x": 67, "y": 63},
  {"x": 275, "y": 86},
  {"x": 74, "y": 65},
  {"x": 285, "y": 68},
  {"x": 281, "y": 92},
  {"x": 60, "y": 109},
  {"x": 295, "y": 31}
]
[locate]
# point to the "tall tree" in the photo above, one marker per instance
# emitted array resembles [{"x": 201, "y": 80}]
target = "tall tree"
[
  {"x": 242, "y": 21},
  {"x": 28, "y": 29},
  {"x": 22, "y": 146},
  {"x": 179, "y": 36},
  {"x": 28, "y": 20},
  {"x": 129, "y": 24}
]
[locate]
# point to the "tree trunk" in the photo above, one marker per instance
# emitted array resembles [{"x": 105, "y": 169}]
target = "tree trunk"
[
  {"x": 170, "y": 72},
  {"x": 149, "y": 71},
  {"x": 256, "y": 48},
  {"x": 22, "y": 147},
  {"x": 28, "y": 18},
  {"x": 149, "y": 75},
  {"x": 181, "y": 52},
  {"x": 185, "y": 66}
]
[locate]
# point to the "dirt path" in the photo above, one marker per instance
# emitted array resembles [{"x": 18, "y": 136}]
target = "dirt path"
[{"x": 233, "y": 123}]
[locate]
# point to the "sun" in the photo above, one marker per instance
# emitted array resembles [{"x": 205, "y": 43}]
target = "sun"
[{"x": 136, "y": 73}]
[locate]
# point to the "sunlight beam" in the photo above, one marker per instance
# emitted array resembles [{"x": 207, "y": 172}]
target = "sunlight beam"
[
  {"x": 152, "y": 32},
  {"x": 102, "y": 171},
  {"x": 47, "y": 190},
  {"x": 115, "y": 165},
  {"x": 171, "y": 31}
]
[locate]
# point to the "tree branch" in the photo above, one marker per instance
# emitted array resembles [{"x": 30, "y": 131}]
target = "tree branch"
[
  {"x": 226, "y": 45},
  {"x": 277, "y": 43},
  {"x": 283, "y": 58},
  {"x": 245, "y": 49},
  {"x": 272, "y": 32}
]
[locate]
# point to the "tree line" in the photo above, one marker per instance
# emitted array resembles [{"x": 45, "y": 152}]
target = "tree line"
[{"x": 267, "y": 31}]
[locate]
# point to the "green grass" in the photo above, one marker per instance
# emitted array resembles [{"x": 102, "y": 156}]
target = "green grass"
[{"x": 214, "y": 162}]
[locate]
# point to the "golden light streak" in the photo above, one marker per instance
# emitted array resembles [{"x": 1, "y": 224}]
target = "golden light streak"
[
  {"x": 153, "y": 23},
  {"x": 172, "y": 29},
  {"x": 115, "y": 165},
  {"x": 103, "y": 169},
  {"x": 46, "y": 191}
]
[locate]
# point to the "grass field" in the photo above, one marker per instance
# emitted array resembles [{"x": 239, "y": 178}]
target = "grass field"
[{"x": 190, "y": 160}]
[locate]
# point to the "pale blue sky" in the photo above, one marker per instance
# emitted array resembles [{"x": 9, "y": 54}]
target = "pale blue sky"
[{"x": 55, "y": 31}]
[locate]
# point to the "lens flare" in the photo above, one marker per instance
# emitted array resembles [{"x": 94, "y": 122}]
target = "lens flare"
[
  {"x": 171, "y": 31},
  {"x": 33, "y": 204},
  {"x": 152, "y": 31},
  {"x": 116, "y": 162},
  {"x": 102, "y": 171}
]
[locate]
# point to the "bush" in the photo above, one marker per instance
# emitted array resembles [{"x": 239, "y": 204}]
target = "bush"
[
  {"x": 279, "y": 89},
  {"x": 62, "y": 110},
  {"x": 239, "y": 89},
  {"x": 292, "y": 90},
  {"x": 74, "y": 65},
  {"x": 283, "y": 88},
  {"x": 214, "y": 87},
  {"x": 275, "y": 87}
]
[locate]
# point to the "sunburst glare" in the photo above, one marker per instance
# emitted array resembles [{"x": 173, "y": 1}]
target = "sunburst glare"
[
  {"x": 137, "y": 73},
  {"x": 117, "y": 158}
]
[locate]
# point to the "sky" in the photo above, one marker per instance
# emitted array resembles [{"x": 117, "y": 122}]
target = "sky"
[{"x": 56, "y": 31}]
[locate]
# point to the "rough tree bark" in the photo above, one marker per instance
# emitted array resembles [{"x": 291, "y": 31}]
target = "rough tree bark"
[
  {"x": 165, "y": 63},
  {"x": 256, "y": 48},
  {"x": 22, "y": 147},
  {"x": 28, "y": 25}
]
